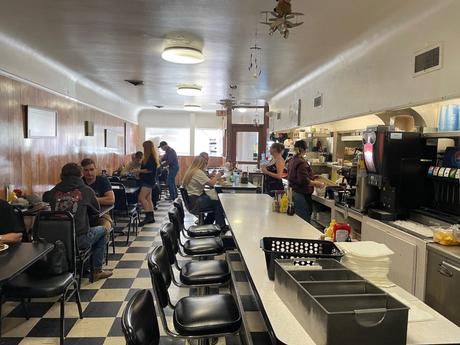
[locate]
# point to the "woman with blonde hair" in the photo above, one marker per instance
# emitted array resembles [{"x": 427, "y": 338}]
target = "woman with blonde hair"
[
  {"x": 147, "y": 174},
  {"x": 194, "y": 181}
]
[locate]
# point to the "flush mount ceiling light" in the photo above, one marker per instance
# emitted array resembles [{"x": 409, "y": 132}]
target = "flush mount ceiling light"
[
  {"x": 189, "y": 90},
  {"x": 183, "y": 55},
  {"x": 192, "y": 107}
]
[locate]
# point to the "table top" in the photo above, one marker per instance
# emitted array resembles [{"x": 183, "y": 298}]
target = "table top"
[
  {"x": 20, "y": 256},
  {"x": 105, "y": 209},
  {"x": 250, "y": 219},
  {"x": 236, "y": 186}
]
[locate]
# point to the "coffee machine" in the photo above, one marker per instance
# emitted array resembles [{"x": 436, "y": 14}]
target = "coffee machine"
[{"x": 395, "y": 163}]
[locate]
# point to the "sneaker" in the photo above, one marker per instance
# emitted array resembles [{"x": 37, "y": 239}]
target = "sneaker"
[{"x": 102, "y": 274}]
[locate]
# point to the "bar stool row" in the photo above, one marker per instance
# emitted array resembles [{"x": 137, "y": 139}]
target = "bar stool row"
[{"x": 198, "y": 319}]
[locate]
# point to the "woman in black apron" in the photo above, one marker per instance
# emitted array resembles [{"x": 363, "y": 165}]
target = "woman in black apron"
[{"x": 273, "y": 171}]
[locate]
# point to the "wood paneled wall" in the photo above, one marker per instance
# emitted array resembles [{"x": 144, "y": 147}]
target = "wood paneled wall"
[
  {"x": 34, "y": 164},
  {"x": 185, "y": 161}
]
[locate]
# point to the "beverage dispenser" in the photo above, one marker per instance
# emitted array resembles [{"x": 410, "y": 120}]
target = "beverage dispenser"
[{"x": 396, "y": 163}]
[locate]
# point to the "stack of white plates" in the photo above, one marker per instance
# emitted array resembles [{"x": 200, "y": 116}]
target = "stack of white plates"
[{"x": 369, "y": 259}]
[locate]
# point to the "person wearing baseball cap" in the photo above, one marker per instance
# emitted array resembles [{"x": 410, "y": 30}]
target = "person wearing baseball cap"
[{"x": 170, "y": 161}]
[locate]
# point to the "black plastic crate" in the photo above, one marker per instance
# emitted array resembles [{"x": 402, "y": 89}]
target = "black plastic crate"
[{"x": 296, "y": 248}]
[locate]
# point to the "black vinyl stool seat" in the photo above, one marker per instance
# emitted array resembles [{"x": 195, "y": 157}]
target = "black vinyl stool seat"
[
  {"x": 194, "y": 230},
  {"x": 205, "y": 315},
  {"x": 139, "y": 321},
  {"x": 197, "y": 317},
  {"x": 200, "y": 214},
  {"x": 193, "y": 273},
  {"x": 203, "y": 246}
]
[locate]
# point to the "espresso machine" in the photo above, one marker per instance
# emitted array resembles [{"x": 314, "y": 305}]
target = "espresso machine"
[{"x": 396, "y": 164}]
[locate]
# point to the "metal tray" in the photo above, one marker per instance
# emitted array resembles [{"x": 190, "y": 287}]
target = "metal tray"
[{"x": 337, "y": 306}]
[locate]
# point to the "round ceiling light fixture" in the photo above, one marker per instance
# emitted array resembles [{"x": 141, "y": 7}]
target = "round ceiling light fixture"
[
  {"x": 192, "y": 107},
  {"x": 183, "y": 55},
  {"x": 189, "y": 90}
]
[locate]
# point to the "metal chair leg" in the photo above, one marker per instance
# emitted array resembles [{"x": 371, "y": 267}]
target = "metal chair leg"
[
  {"x": 78, "y": 301},
  {"x": 62, "y": 321},
  {"x": 113, "y": 240},
  {"x": 25, "y": 308},
  {"x": 129, "y": 230}
]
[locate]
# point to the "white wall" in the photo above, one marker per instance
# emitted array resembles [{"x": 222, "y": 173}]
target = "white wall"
[
  {"x": 177, "y": 119},
  {"x": 21, "y": 62},
  {"x": 375, "y": 74}
]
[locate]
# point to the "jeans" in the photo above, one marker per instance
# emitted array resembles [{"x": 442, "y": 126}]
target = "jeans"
[
  {"x": 303, "y": 205},
  {"x": 204, "y": 202},
  {"x": 95, "y": 238},
  {"x": 173, "y": 170}
]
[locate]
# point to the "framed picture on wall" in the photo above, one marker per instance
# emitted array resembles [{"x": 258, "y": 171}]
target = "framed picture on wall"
[
  {"x": 89, "y": 129},
  {"x": 112, "y": 139},
  {"x": 40, "y": 122}
]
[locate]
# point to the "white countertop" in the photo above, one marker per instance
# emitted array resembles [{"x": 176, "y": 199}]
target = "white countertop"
[
  {"x": 236, "y": 185},
  {"x": 251, "y": 218}
]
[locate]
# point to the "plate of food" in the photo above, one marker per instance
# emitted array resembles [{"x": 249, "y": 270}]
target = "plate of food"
[{"x": 3, "y": 246}]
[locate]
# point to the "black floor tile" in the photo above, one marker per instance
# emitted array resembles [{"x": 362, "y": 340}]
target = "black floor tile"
[
  {"x": 86, "y": 295},
  {"x": 114, "y": 257},
  {"x": 144, "y": 238},
  {"x": 36, "y": 309},
  {"x": 138, "y": 250},
  {"x": 115, "y": 330},
  {"x": 84, "y": 341},
  {"x": 118, "y": 283},
  {"x": 50, "y": 328},
  {"x": 10, "y": 341},
  {"x": 232, "y": 340},
  {"x": 129, "y": 264},
  {"x": 130, "y": 294},
  {"x": 249, "y": 303},
  {"x": 143, "y": 273},
  {"x": 102, "y": 309}
]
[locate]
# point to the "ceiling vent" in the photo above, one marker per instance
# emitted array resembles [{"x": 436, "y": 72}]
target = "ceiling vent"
[
  {"x": 135, "y": 82},
  {"x": 318, "y": 101},
  {"x": 427, "y": 60}
]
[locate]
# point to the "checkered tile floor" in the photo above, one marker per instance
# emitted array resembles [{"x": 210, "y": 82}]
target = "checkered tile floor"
[{"x": 104, "y": 301}]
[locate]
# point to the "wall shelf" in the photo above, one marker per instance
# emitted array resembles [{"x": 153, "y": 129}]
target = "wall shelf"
[{"x": 453, "y": 134}]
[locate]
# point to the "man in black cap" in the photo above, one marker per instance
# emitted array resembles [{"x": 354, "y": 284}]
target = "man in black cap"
[{"x": 170, "y": 160}]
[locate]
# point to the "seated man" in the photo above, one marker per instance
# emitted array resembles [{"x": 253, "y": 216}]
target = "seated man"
[
  {"x": 9, "y": 232},
  {"x": 134, "y": 165},
  {"x": 71, "y": 194},
  {"x": 103, "y": 190}
]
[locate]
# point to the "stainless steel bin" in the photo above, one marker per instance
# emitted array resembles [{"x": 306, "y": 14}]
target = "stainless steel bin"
[{"x": 337, "y": 306}]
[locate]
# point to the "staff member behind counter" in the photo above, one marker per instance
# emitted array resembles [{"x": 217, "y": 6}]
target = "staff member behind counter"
[
  {"x": 274, "y": 170},
  {"x": 301, "y": 180}
]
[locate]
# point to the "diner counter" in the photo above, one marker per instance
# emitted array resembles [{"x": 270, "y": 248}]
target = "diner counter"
[{"x": 250, "y": 218}]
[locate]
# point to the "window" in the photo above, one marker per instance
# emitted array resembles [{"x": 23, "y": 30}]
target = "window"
[
  {"x": 208, "y": 140},
  {"x": 177, "y": 138}
]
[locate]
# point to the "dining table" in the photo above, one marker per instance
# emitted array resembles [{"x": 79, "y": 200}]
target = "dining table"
[{"x": 18, "y": 257}]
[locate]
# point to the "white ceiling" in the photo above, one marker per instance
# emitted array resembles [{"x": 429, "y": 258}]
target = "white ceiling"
[{"x": 107, "y": 41}]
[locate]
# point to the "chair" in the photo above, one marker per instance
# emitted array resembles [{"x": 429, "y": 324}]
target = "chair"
[
  {"x": 193, "y": 273},
  {"x": 114, "y": 179},
  {"x": 194, "y": 317},
  {"x": 200, "y": 214},
  {"x": 51, "y": 227},
  {"x": 195, "y": 247},
  {"x": 207, "y": 230},
  {"x": 139, "y": 321},
  {"x": 123, "y": 209},
  {"x": 21, "y": 225}
]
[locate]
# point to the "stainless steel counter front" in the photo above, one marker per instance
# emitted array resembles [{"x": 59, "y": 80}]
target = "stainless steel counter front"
[{"x": 251, "y": 218}]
